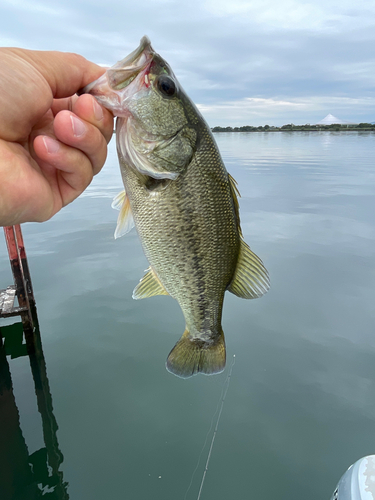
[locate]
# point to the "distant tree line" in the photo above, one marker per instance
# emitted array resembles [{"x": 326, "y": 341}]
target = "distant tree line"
[{"x": 292, "y": 127}]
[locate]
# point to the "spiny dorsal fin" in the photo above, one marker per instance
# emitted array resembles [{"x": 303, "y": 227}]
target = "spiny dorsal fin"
[
  {"x": 149, "y": 286},
  {"x": 235, "y": 195},
  {"x": 125, "y": 220},
  {"x": 251, "y": 278}
]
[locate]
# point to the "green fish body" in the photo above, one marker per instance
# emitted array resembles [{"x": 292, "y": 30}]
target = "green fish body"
[{"x": 183, "y": 203}]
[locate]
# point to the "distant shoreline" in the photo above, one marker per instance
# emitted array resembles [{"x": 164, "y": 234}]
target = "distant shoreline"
[{"x": 363, "y": 127}]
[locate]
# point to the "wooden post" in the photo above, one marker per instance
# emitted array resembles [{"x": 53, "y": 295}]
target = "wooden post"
[{"x": 21, "y": 274}]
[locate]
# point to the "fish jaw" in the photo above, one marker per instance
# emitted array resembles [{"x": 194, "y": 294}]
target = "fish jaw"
[
  {"x": 126, "y": 89},
  {"x": 120, "y": 82}
]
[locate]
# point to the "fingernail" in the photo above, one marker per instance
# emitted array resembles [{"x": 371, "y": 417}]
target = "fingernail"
[
  {"x": 51, "y": 145},
  {"x": 98, "y": 110},
  {"x": 79, "y": 127}
]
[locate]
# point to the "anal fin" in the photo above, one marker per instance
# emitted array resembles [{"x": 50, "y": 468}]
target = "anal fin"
[{"x": 149, "y": 286}]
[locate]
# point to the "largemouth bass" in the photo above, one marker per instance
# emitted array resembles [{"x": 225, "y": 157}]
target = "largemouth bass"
[{"x": 182, "y": 202}]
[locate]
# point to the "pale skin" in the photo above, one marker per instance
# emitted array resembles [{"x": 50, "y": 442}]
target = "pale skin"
[{"x": 52, "y": 142}]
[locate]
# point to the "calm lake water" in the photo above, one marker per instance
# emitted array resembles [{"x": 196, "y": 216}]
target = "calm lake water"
[{"x": 301, "y": 401}]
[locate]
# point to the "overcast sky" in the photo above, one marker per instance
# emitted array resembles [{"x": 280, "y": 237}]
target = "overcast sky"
[{"x": 243, "y": 62}]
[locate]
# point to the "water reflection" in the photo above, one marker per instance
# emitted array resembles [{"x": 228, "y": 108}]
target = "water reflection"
[
  {"x": 301, "y": 398},
  {"x": 24, "y": 476}
]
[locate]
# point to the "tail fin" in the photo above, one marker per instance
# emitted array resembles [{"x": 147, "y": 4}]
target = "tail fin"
[{"x": 192, "y": 356}]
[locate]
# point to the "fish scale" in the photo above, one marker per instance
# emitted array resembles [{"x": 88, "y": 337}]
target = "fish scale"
[{"x": 183, "y": 204}]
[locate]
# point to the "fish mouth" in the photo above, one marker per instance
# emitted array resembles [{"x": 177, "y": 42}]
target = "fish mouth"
[{"x": 112, "y": 88}]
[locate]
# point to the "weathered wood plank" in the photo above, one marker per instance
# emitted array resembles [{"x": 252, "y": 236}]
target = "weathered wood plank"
[
  {"x": 16, "y": 311},
  {"x": 8, "y": 297},
  {"x": 2, "y": 296}
]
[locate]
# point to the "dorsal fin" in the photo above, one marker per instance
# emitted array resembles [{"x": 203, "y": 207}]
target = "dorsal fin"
[
  {"x": 235, "y": 195},
  {"x": 125, "y": 221},
  {"x": 149, "y": 286},
  {"x": 251, "y": 278}
]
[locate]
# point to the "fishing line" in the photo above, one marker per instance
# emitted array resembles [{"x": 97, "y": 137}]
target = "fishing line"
[{"x": 219, "y": 405}]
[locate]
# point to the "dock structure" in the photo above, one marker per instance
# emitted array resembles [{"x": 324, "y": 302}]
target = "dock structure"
[
  {"x": 24, "y": 475},
  {"x": 22, "y": 287}
]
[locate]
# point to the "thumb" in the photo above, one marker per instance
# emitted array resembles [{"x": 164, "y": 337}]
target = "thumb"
[{"x": 65, "y": 72}]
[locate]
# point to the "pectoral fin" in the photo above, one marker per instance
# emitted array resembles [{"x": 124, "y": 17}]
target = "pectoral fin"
[
  {"x": 125, "y": 221},
  {"x": 251, "y": 278},
  {"x": 149, "y": 286},
  {"x": 118, "y": 200}
]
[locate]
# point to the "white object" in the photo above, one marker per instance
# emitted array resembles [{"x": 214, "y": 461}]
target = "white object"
[
  {"x": 358, "y": 482},
  {"x": 333, "y": 120}
]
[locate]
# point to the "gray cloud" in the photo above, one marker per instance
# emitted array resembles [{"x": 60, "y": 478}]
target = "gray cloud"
[{"x": 317, "y": 57}]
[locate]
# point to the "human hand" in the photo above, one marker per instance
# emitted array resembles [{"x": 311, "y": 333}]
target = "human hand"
[{"x": 52, "y": 142}]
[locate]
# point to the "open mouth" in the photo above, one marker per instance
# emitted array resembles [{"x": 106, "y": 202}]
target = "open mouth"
[
  {"x": 120, "y": 75},
  {"x": 125, "y": 71}
]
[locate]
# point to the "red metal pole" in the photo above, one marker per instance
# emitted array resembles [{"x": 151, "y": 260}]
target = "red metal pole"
[
  {"x": 24, "y": 263},
  {"x": 17, "y": 257}
]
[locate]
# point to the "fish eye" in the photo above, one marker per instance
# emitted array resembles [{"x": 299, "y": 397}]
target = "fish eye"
[{"x": 166, "y": 85}]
